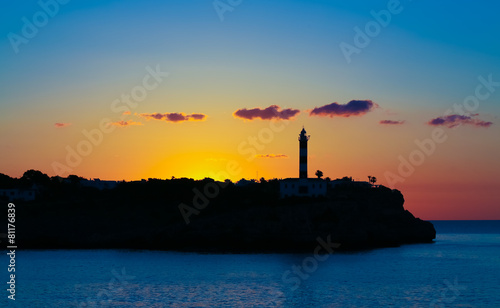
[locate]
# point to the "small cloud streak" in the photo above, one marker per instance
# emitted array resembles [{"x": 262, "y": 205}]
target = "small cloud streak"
[
  {"x": 352, "y": 108},
  {"x": 126, "y": 123},
  {"x": 453, "y": 120},
  {"x": 271, "y": 156},
  {"x": 391, "y": 122},
  {"x": 61, "y": 125},
  {"x": 269, "y": 113},
  {"x": 127, "y": 113},
  {"x": 174, "y": 117},
  {"x": 197, "y": 116}
]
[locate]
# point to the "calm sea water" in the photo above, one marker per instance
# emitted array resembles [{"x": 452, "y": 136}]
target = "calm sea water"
[{"x": 461, "y": 269}]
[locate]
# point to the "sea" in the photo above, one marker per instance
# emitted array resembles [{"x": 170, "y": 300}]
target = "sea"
[{"x": 460, "y": 269}]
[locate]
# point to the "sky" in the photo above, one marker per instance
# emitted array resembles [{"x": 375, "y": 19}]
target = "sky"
[{"x": 406, "y": 91}]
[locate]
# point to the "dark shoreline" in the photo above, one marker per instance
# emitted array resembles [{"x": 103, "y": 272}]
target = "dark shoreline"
[{"x": 146, "y": 215}]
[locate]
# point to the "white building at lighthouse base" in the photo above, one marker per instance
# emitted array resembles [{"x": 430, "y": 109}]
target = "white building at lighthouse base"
[{"x": 302, "y": 187}]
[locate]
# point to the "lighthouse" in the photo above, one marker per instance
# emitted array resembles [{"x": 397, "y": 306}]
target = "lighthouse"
[
  {"x": 302, "y": 186},
  {"x": 303, "y": 138}
]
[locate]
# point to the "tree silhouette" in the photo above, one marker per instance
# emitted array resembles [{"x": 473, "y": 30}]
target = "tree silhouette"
[
  {"x": 319, "y": 174},
  {"x": 75, "y": 179},
  {"x": 31, "y": 177},
  {"x": 373, "y": 180},
  {"x": 6, "y": 181}
]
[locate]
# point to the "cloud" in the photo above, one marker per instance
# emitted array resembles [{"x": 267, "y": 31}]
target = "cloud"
[
  {"x": 453, "y": 120},
  {"x": 391, "y": 122},
  {"x": 174, "y": 117},
  {"x": 127, "y": 113},
  {"x": 271, "y": 156},
  {"x": 155, "y": 116},
  {"x": 61, "y": 125},
  {"x": 352, "y": 108},
  {"x": 197, "y": 116},
  {"x": 126, "y": 123},
  {"x": 269, "y": 113}
]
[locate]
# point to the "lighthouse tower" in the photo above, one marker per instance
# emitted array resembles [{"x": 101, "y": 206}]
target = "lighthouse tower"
[
  {"x": 302, "y": 186},
  {"x": 303, "y": 138}
]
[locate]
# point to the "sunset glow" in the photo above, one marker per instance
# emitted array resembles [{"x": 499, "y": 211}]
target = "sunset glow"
[{"x": 130, "y": 92}]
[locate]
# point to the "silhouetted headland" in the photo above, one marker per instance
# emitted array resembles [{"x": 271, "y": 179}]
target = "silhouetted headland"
[{"x": 183, "y": 214}]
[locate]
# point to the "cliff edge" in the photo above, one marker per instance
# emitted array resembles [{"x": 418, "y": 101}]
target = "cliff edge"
[{"x": 147, "y": 215}]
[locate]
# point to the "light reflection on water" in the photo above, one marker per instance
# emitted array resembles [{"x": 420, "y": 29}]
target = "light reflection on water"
[{"x": 411, "y": 275}]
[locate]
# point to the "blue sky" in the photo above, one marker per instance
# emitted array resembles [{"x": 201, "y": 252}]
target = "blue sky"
[
  {"x": 431, "y": 50},
  {"x": 263, "y": 53}
]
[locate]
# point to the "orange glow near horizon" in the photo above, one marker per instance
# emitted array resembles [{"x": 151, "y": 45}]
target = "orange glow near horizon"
[{"x": 358, "y": 154}]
